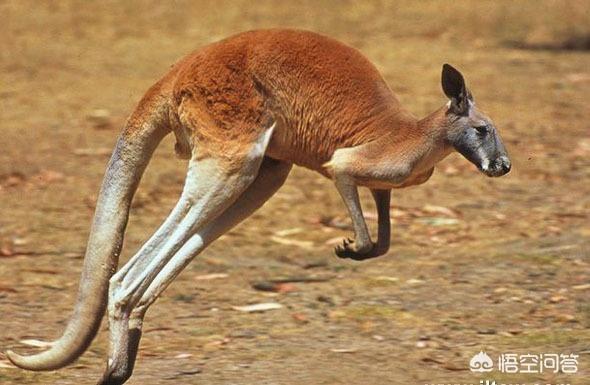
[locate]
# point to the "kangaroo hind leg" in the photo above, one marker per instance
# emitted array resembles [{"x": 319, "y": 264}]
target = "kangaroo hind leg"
[
  {"x": 211, "y": 187},
  {"x": 271, "y": 176}
]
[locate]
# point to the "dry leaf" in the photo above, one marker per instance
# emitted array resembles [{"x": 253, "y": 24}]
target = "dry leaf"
[
  {"x": 37, "y": 343},
  {"x": 440, "y": 210},
  {"x": 386, "y": 278},
  {"x": 293, "y": 242},
  {"x": 343, "y": 350},
  {"x": 287, "y": 232},
  {"x": 557, "y": 299},
  {"x": 565, "y": 318},
  {"x": 6, "y": 250},
  {"x": 206, "y": 277},
  {"x": 7, "y": 365},
  {"x": 259, "y": 307},
  {"x": 439, "y": 221}
]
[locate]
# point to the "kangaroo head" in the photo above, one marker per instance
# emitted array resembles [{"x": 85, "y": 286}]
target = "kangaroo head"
[{"x": 470, "y": 131}]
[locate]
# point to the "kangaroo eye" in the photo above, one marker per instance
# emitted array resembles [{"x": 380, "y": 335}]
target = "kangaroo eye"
[{"x": 482, "y": 129}]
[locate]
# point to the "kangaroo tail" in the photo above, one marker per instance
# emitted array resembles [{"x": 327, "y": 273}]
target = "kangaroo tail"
[{"x": 131, "y": 155}]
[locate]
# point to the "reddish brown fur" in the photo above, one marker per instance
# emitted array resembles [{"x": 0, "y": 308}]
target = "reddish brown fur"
[
  {"x": 331, "y": 111},
  {"x": 323, "y": 95}
]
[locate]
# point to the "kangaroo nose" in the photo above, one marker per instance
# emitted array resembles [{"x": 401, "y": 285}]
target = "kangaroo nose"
[{"x": 506, "y": 166}]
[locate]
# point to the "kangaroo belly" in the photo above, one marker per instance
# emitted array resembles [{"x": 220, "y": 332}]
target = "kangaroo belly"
[{"x": 290, "y": 145}]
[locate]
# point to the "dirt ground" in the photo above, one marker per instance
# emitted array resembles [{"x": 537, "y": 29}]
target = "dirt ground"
[{"x": 501, "y": 265}]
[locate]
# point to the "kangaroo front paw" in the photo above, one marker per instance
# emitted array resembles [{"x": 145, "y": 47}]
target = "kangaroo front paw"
[{"x": 352, "y": 250}]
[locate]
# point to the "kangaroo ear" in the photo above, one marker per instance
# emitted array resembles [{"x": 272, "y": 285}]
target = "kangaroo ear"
[{"x": 454, "y": 87}]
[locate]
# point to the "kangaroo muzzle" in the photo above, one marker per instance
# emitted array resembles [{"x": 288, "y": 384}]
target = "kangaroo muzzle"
[{"x": 500, "y": 166}]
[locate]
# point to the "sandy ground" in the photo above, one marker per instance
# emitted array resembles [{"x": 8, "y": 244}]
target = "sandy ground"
[{"x": 501, "y": 265}]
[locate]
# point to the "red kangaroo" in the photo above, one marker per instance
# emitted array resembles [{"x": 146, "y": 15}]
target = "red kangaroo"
[{"x": 243, "y": 111}]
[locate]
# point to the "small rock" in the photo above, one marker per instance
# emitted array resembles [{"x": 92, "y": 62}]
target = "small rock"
[
  {"x": 274, "y": 287},
  {"x": 299, "y": 317},
  {"x": 313, "y": 265},
  {"x": 487, "y": 331},
  {"x": 189, "y": 372},
  {"x": 326, "y": 299},
  {"x": 244, "y": 333},
  {"x": 566, "y": 318},
  {"x": 19, "y": 241},
  {"x": 6, "y": 250},
  {"x": 100, "y": 119},
  {"x": 451, "y": 170},
  {"x": 214, "y": 345},
  {"x": 557, "y": 298}
]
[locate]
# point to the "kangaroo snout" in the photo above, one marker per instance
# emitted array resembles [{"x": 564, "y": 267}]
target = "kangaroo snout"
[
  {"x": 501, "y": 166},
  {"x": 506, "y": 164}
]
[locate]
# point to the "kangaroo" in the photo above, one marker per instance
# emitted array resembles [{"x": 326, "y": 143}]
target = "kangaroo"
[{"x": 243, "y": 111}]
